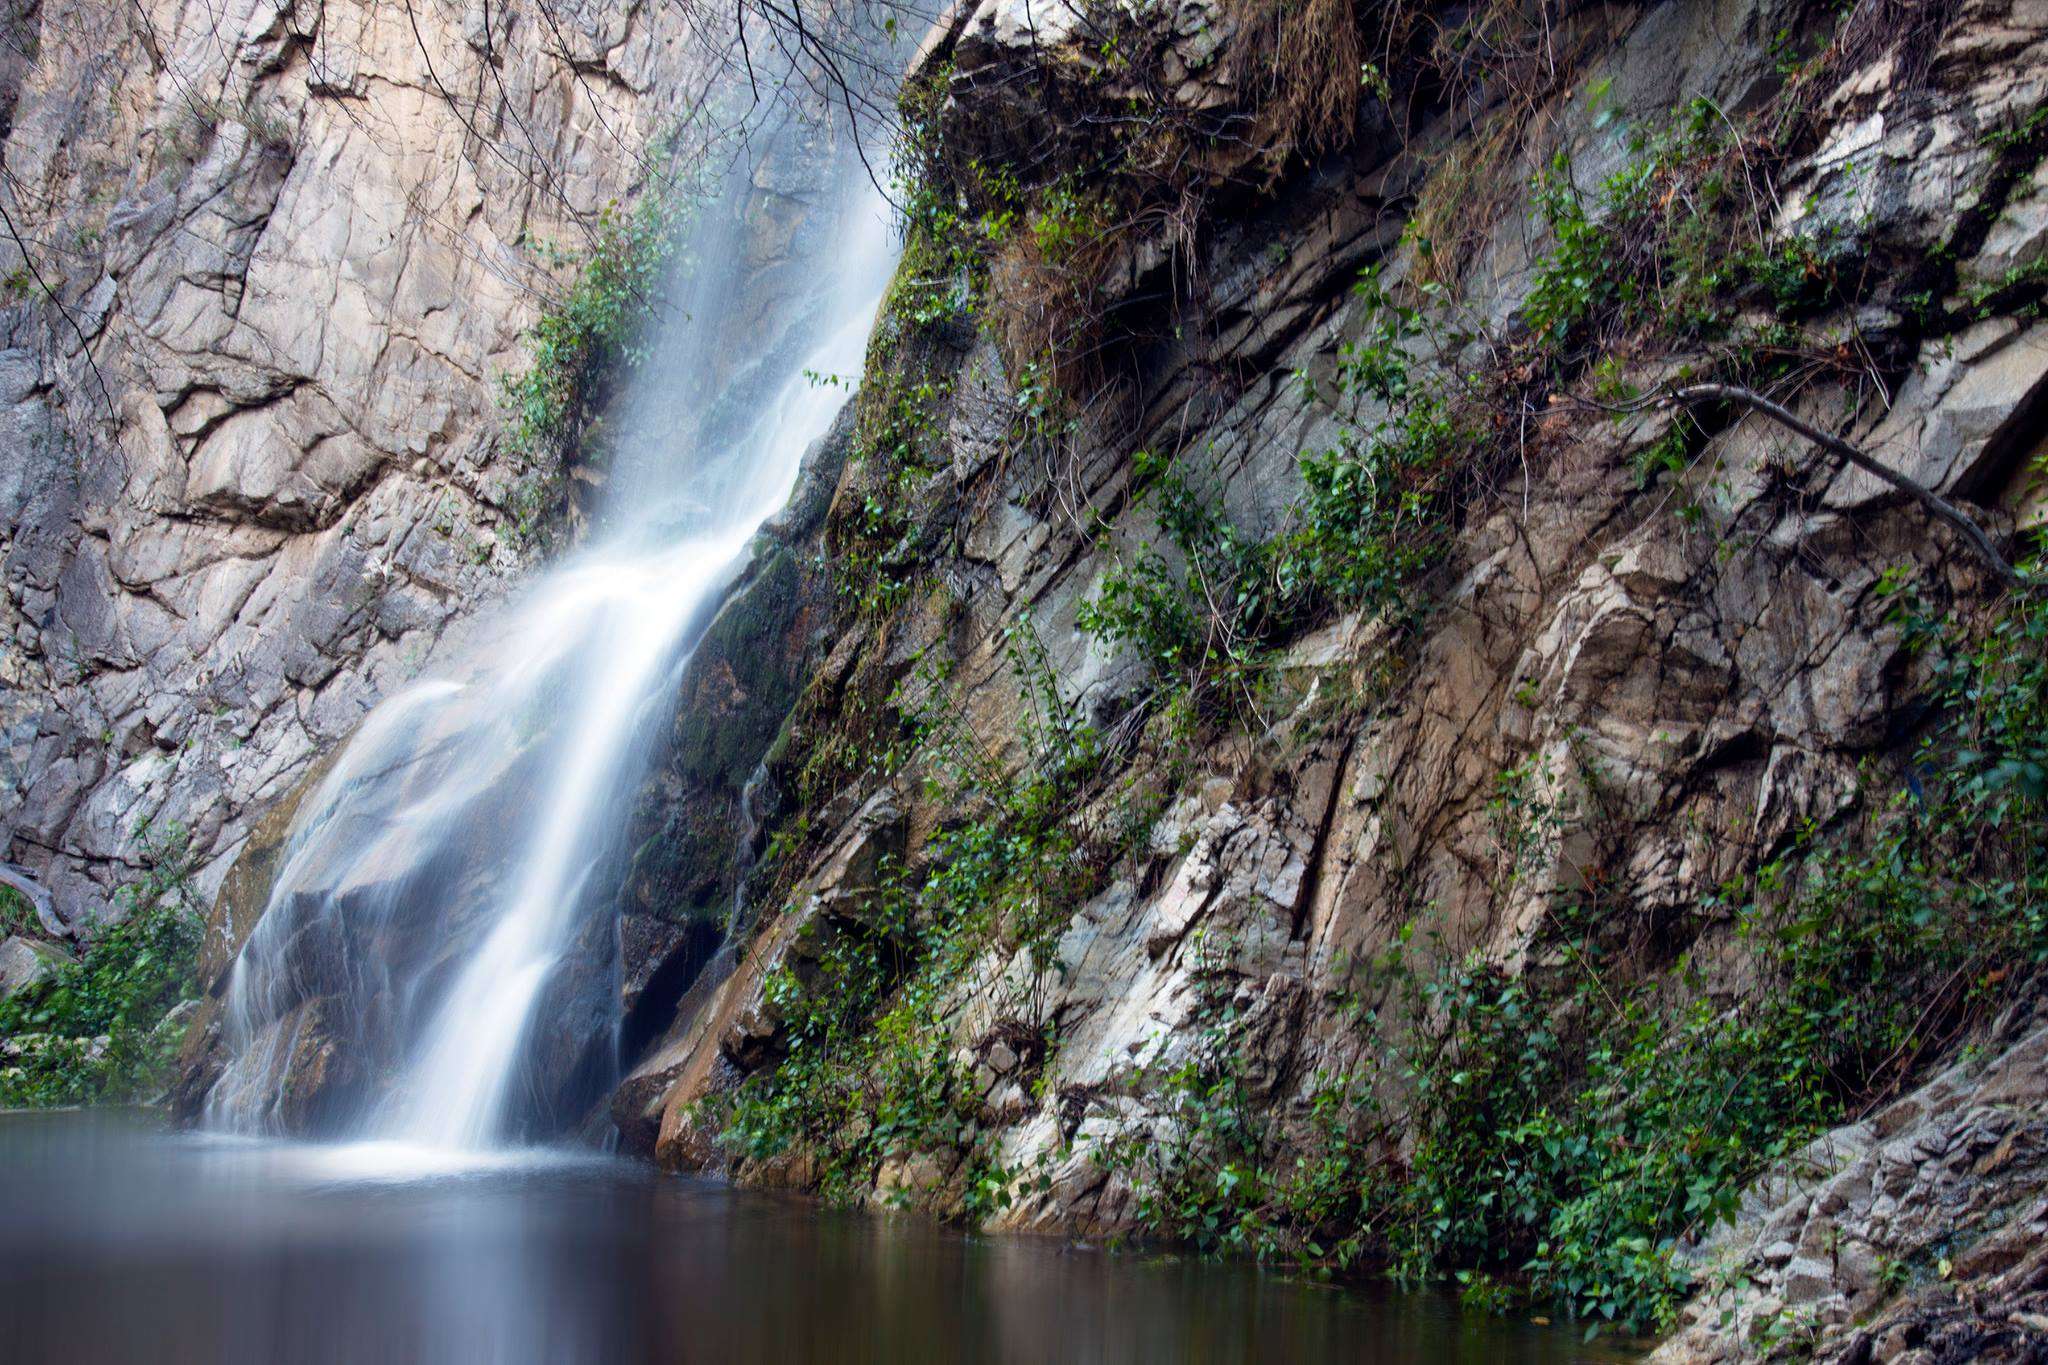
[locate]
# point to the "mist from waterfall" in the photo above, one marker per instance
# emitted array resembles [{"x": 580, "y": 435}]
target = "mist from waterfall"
[{"x": 450, "y": 880}]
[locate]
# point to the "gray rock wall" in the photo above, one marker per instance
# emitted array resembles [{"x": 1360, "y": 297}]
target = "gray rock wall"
[
  {"x": 249, "y": 470},
  {"x": 250, "y": 484},
  {"x": 1688, "y": 690}
]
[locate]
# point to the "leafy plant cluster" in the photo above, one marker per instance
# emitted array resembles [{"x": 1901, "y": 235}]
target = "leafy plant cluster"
[
  {"x": 870, "y": 1072},
  {"x": 1568, "y": 1132},
  {"x": 1677, "y": 238},
  {"x": 105, "y": 1028},
  {"x": 594, "y": 328},
  {"x": 956, "y": 212},
  {"x": 1217, "y": 1173},
  {"x": 1020, "y": 261},
  {"x": 17, "y": 915},
  {"x": 1204, "y": 619},
  {"x": 878, "y": 546},
  {"x": 1373, "y": 509},
  {"x": 1368, "y": 522}
]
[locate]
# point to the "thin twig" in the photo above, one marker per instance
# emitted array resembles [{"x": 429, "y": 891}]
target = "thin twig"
[{"x": 57, "y": 302}]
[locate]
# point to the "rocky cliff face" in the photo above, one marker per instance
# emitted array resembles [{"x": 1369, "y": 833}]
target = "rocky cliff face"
[
  {"x": 1280, "y": 733},
  {"x": 1612, "y": 661},
  {"x": 264, "y": 264}
]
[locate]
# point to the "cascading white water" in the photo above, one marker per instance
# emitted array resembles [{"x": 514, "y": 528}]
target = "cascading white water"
[
  {"x": 504, "y": 792},
  {"x": 633, "y": 607},
  {"x": 636, "y": 604}
]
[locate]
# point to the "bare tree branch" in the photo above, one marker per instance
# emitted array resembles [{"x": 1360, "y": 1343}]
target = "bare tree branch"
[
  {"x": 57, "y": 302},
  {"x": 1934, "y": 503},
  {"x": 38, "y": 896}
]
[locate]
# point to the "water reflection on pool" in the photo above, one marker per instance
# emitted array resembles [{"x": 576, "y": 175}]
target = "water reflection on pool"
[{"x": 117, "y": 1244}]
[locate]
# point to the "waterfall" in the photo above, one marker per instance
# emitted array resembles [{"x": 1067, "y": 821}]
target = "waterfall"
[{"x": 449, "y": 882}]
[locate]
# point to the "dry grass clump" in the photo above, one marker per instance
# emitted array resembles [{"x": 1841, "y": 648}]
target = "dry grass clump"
[
  {"x": 1102, "y": 227},
  {"x": 1472, "y": 188},
  {"x": 1301, "y": 66},
  {"x": 1050, "y": 309}
]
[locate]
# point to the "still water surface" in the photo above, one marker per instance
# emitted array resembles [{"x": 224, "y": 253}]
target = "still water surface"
[{"x": 118, "y": 1244}]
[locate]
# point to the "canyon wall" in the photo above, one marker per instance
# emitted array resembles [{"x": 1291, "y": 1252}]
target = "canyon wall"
[
  {"x": 1263, "y": 612},
  {"x": 265, "y": 264},
  {"x": 1636, "y": 657}
]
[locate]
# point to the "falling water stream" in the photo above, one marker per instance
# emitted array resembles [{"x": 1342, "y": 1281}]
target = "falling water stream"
[
  {"x": 433, "y": 989},
  {"x": 435, "y": 896}
]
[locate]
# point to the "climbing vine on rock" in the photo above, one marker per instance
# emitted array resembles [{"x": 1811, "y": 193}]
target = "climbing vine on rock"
[{"x": 1206, "y": 609}]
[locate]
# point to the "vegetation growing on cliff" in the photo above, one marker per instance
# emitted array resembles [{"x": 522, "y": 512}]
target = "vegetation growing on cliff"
[
  {"x": 105, "y": 1028},
  {"x": 878, "y": 546},
  {"x": 1557, "y": 1132},
  {"x": 869, "y": 1073},
  {"x": 1565, "y": 1132},
  {"x": 1572, "y": 1132},
  {"x": 1568, "y": 1131},
  {"x": 590, "y": 330},
  {"x": 1368, "y": 522}
]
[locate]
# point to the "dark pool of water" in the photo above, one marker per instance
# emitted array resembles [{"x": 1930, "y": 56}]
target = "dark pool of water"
[{"x": 117, "y": 1244}]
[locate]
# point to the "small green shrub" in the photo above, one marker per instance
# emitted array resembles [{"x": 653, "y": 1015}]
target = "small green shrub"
[
  {"x": 955, "y": 214},
  {"x": 1204, "y": 619},
  {"x": 17, "y": 915},
  {"x": 1367, "y": 523},
  {"x": 878, "y": 550},
  {"x": 1214, "y": 1172},
  {"x": 97, "y": 1030},
  {"x": 1370, "y": 514},
  {"x": 1676, "y": 240},
  {"x": 1583, "y": 273},
  {"x": 593, "y": 328},
  {"x": 1368, "y": 519}
]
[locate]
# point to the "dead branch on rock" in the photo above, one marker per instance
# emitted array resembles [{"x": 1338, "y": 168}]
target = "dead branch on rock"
[
  {"x": 38, "y": 896},
  {"x": 1935, "y": 504}
]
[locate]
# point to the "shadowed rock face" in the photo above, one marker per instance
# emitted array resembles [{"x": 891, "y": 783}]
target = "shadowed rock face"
[
  {"x": 700, "y": 818},
  {"x": 1723, "y": 698},
  {"x": 273, "y": 487},
  {"x": 740, "y": 685}
]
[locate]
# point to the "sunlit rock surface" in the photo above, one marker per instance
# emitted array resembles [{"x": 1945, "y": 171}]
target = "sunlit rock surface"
[{"x": 248, "y": 471}]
